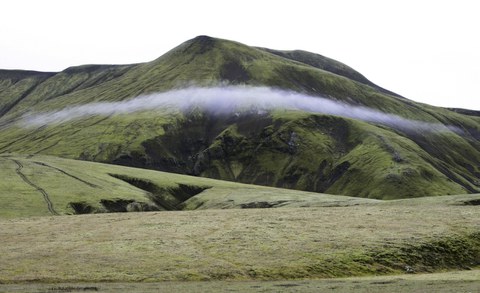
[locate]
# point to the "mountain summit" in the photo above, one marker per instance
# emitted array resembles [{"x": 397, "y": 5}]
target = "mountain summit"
[{"x": 311, "y": 149}]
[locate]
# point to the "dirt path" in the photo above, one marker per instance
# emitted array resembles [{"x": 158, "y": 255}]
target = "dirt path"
[{"x": 41, "y": 190}]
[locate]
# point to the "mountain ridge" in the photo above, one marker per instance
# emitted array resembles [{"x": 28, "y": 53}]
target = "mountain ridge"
[{"x": 283, "y": 148}]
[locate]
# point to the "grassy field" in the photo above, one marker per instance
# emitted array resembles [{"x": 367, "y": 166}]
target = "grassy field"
[{"x": 243, "y": 244}]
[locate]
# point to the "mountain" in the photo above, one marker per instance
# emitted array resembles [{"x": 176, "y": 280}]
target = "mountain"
[{"x": 399, "y": 149}]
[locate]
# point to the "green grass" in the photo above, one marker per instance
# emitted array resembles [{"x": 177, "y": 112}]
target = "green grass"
[
  {"x": 69, "y": 182},
  {"x": 287, "y": 149},
  {"x": 66, "y": 181},
  {"x": 237, "y": 244}
]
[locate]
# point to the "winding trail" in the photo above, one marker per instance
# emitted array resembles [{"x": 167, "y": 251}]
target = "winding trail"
[{"x": 38, "y": 188}]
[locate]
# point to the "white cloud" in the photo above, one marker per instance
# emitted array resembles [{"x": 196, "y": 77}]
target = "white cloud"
[{"x": 228, "y": 100}]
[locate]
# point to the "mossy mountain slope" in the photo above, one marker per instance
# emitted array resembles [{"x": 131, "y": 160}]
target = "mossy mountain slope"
[
  {"x": 327, "y": 64},
  {"x": 293, "y": 149},
  {"x": 45, "y": 185}
]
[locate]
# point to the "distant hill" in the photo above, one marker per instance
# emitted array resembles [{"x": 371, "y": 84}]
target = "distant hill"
[{"x": 297, "y": 149}]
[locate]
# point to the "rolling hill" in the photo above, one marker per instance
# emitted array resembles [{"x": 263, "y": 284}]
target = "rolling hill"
[
  {"x": 44, "y": 185},
  {"x": 398, "y": 149}
]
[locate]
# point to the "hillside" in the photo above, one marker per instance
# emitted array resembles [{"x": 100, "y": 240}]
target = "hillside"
[
  {"x": 437, "y": 154},
  {"x": 44, "y": 185}
]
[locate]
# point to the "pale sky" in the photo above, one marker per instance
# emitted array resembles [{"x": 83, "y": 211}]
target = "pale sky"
[{"x": 427, "y": 51}]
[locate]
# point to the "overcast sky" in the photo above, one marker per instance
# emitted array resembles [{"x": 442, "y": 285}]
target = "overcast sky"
[{"x": 427, "y": 51}]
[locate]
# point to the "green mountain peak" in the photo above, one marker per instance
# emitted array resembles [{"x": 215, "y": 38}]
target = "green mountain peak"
[{"x": 306, "y": 149}]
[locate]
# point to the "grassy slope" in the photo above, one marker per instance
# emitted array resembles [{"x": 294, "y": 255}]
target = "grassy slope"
[
  {"x": 432, "y": 164},
  {"x": 66, "y": 181},
  {"x": 288, "y": 243},
  {"x": 264, "y": 156}
]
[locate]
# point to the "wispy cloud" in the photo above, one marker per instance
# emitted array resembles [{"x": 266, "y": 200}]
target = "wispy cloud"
[{"x": 231, "y": 99}]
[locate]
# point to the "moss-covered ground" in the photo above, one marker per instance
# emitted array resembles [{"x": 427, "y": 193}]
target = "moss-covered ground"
[{"x": 243, "y": 244}]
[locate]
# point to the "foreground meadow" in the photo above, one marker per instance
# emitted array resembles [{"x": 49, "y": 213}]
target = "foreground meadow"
[{"x": 432, "y": 235}]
